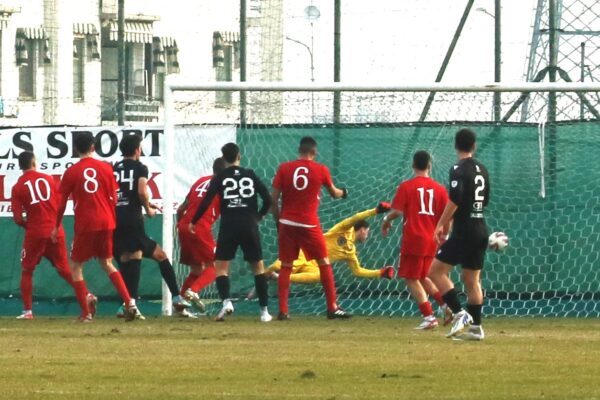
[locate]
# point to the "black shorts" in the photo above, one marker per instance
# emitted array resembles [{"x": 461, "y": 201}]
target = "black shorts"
[
  {"x": 129, "y": 239},
  {"x": 243, "y": 234},
  {"x": 469, "y": 254}
]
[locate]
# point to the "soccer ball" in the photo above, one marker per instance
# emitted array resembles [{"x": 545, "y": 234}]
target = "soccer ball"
[{"x": 498, "y": 241}]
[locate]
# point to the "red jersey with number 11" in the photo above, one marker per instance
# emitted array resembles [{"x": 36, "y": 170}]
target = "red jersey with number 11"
[
  {"x": 300, "y": 183},
  {"x": 93, "y": 187},
  {"x": 422, "y": 201}
]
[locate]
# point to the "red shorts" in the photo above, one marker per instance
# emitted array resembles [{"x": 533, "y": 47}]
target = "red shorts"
[
  {"x": 414, "y": 267},
  {"x": 34, "y": 248},
  {"x": 88, "y": 245},
  {"x": 294, "y": 238},
  {"x": 196, "y": 249}
]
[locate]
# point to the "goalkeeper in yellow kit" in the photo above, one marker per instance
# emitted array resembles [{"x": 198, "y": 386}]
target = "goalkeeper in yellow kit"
[{"x": 340, "y": 241}]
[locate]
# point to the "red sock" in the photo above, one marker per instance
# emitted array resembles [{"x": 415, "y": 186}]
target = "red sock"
[
  {"x": 65, "y": 273},
  {"x": 188, "y": 282},
  {"x": 27, "y": 288},
  {"x": 438, "y": 298},
  {"x": 283, "y": 283},
  {"x": 117, "y": 281},
  {"x": 207, "y": 277},
  {"x": 328, "y": 282},
  {"x": 426, "y": 309},
  {"x": 81, "y": 292}
]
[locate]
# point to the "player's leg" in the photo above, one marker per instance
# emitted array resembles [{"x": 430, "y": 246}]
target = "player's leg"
[
  {"x": 130, "y": 266},
  {"x": 305, "y": 272},
  {"x": 31, "y": 254},
  {"x": 82, "y": 249},
  {"x": 471, "y": 275},
  {"x": 288, "y": 252},
  {"x": 445, "y": 313},
  {"x": 227, "y": 244},
  {"x": 154, "y": 251},
  {"x": 412, "y": 269},
  {"x": 252, "y": 250}
]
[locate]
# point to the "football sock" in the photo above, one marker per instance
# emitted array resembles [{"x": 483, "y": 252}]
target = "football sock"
[
  {"x": 188, "y": 282},
  {"x": 130, "y": 271},
  {"x": 426, "y": 309},
  {"x": 26, "y": 288},
  {"x": 437, "y": 296},
  {"x": 117, "y": 281},
  {"x": 328, "y": 282},
  {"x": 81, "y": 292},
  {"x": 283, "y": 288},
  {"x": 223, "y": 286},
  {"x": 207, "y": 277},
  {"x": 168, "y": 274},
  {"x": 451, "y": 298},
  {"x": 475, "y": 311},
  {"x": 65, "y": 273},
  {"x": 262, "y": 289}
]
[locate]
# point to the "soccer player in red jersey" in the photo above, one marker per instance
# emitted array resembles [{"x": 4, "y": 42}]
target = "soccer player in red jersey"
[
  {"x": 298, "y": 183},
  {"x": 421, "y": 201},
  {"x": 93, "y": 187},
  {"x": 198, "y": 249},
  {"x": 36, "y": 195}
]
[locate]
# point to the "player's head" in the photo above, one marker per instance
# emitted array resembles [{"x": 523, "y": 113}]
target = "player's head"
[
  {"x": 308, "y": 146},
  {"x": 231, "y": 153},
  {"x": 422, "y": 161},
  {"x": 26, "y": 160},
  {"x": 218, "y": 165},
  {"x": 361, "y": 230},
  {"x": 464, "y": 141},
  {"x": 83, "y": 142},
  {"x": 131, "y": 146}
]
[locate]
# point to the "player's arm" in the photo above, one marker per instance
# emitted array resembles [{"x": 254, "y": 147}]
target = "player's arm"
[
  {"x": 359, "y": 271},
  {"x": 263, "y": 192},
  {"x": 455, "y": 194},
  {"x": 398, "y": 205},
  {"x": 211, "y": 192},
  {"x": 64, "y": 192},
  {"x": 181, "y": 209},
  {"x": 275, "y": 194},
  {"x": 386, "y": 225},
  {"x": 334, "y": 192},
  {"x": 17, "y": 208},
  {"x": 144, "y": 196},
  {"x": 348, "y": 223}
]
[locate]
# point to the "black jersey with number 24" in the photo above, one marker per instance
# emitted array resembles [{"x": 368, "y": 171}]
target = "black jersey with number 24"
[
  {"x": 470, "y": 191},
  {"x": 129, "y": 207}
]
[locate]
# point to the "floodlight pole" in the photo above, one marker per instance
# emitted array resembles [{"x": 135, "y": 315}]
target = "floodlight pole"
[
  {"x": 497, "y": 58},
  {"x": 243, "y": 38},
  {"x": 121, "y": 63},
  {"x": 337, "y": 51}
]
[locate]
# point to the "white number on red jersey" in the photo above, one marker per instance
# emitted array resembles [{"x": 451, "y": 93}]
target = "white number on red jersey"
[
  {"x": 91, "y": 184},
  {"x": 36, "y": 189},
  {"x": 202, "y": 188},
  {"x": 426, "y": 197},
  {"x": 301, "y": 178}
]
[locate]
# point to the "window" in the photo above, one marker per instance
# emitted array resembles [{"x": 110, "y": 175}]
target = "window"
[
  {"x": 224, "y": 74},
  {"x": 27, "y": 69},
  {"x": 79, "y": 57}
]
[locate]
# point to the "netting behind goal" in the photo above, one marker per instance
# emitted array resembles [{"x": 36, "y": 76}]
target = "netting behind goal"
[{"x": 545, "y": 190}]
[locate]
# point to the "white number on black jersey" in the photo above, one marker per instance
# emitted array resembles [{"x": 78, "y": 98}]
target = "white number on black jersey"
[{"x": 234, "y": 189}]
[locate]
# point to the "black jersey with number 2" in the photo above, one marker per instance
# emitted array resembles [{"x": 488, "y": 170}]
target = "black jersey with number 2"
[
  {"x": 239, "y": 189},
  {"x": 470, "y": 191},
  {"x": 129, "y": 207}
]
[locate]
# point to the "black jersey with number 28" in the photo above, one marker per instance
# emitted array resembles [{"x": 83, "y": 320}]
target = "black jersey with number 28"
[
  {"x": 239, "y": 189},
  {"x": 470, "y": 191},
  {"x": 129, "y": 207}
]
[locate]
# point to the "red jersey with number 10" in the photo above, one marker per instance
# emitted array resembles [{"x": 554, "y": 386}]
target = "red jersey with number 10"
[
  {"x": 93, "y": 187},
  {"x": 300, "y": 183},
  {"x": 422, "y": 201},
  {"x": 194, "y": 198}
]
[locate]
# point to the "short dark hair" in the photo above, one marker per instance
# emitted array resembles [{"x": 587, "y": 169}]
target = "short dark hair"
[
  {"x": 421, "y": 160},
  {"x": 230, "y": 151},
  {"x": 26, "y": 160},
  {"x": 83, "y": 142},
  {"x": 218, "y": 165},
  {"x": 129, "y": 144},
  {"x": 464, "y": 140},
  {"x": 308, "y": 145},
  {"x": 363, "y": 223}
]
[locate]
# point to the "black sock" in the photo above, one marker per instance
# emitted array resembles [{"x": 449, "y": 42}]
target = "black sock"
[
  {"x": 168, "y": 274},
  {"x": 130, "y": 271},
  {"x": 262, "y": 289},
  {"x": 451, "y": 299},
  {"x": 475, "y": 311},
  {"x": 223, "y": 286}
]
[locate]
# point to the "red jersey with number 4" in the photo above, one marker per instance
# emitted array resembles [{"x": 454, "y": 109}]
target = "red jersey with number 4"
[
  {"x": 300, "y": 183},
  {"x": 422, "y": 201},
  {"x": 36, "y": 194},
  {"x": 93, "y": 187},
  {"x": 194, "y": 198}
]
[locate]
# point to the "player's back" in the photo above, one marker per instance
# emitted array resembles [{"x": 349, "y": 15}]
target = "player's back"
[
  {"x": 92, "y": 185},
  {"x": 129, "y": 206},
  {"x": 194, "y": 198},
  {"x": 239, "y": 189},
  {"x": 300, "y": 183},
  {"x": 38, "y": 195}
]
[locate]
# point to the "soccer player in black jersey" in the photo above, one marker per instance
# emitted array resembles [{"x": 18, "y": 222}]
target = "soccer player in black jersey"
[
  {"x": 469, "y": 192},
  {"x": 130, "y": 240},
  {"x": 239, "y": 189}
]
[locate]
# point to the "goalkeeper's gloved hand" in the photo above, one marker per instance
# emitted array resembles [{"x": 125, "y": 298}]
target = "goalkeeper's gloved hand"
[
  {"x": 345, "y": 193},
  {"x": 383, "y": 207}
]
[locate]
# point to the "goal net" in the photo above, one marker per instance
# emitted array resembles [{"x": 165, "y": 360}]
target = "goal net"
[{"x": 545, "y": 190}]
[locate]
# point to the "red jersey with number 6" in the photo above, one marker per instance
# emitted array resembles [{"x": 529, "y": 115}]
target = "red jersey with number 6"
[
  {"x": 36, "y": 194},
  {"x": 300, "y": 183},
  {"x": 421, "y": 201},
  {"x": 194, "y": 198},
  {"x": 93, "y": 187}
]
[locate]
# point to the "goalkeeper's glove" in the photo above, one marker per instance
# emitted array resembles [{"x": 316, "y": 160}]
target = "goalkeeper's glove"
[
  {"x": 344, "y": 193},
  {"x": 383, "y": 207}
]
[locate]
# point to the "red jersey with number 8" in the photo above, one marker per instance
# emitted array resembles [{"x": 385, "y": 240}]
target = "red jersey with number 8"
[
  {"x": 422, "y": 201},
  {"x": 93, "y": 187},
  {"x": 300, "y": 183}
]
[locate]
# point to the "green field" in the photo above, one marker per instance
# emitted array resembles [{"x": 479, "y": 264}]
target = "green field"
[{"x": 306, "y": 358}]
